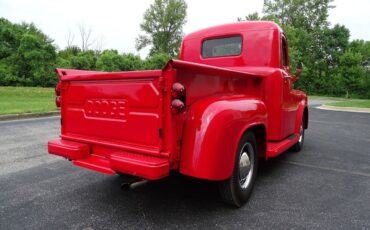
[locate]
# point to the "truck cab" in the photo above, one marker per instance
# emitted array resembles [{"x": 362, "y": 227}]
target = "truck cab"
[
  {"x": 227, "y": 102},
  {"x": 258, "y": 48}
]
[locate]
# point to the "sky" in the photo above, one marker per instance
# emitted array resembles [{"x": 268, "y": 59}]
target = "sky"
[{"x": 116, "y": 23}]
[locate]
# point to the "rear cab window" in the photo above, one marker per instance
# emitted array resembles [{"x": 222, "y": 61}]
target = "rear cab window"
[{"x": 222, "y": 47}]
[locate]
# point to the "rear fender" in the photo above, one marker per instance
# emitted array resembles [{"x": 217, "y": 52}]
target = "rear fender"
[{"x": 212, "y": 131}]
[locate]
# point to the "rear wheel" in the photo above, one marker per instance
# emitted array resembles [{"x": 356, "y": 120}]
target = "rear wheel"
[
  {"x": 238, "y": 188},
  {"x": 299, "y": 145}
]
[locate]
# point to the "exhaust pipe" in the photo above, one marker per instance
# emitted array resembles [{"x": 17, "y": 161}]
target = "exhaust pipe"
[{"x": 133, "y": 183}]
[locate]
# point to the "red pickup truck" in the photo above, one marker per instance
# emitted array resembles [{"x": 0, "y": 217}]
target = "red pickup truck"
[{"x": 227, "y": 102}]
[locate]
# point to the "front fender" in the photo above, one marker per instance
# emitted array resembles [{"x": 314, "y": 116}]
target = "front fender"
[{"x": 212, "y": 131}]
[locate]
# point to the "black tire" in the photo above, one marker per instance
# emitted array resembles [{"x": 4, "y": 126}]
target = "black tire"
[
  {"x": 299, "y": 145},
  {"x": 235, "y": 190}
]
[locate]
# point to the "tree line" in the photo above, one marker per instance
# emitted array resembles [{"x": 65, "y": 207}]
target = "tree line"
[
  {"x": 333, "y": 65},
  {"x": 28, "y": 57}
]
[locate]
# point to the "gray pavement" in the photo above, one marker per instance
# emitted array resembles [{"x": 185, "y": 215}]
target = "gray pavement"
[{"x": 326, "y": 186}]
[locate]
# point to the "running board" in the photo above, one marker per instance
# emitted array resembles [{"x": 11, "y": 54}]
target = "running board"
[{"x": 276, "y": 148}]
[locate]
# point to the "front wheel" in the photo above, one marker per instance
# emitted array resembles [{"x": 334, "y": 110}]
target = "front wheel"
[{"x": 238, "y": 188}]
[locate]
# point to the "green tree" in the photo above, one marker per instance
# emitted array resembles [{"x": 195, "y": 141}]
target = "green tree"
[
  {"x": 352, "y": 73},
  {"x": 251, "y": 17},
  {"x": 10, "y": 38},
  {"x": 156, "y": 61},
  {"x": 27, "y": 56},
  {"x": 305, "y": 14},
  {"x": 69, "y": 52},
  {"x": 362, "y": 47},
  {"x": 65, "y": 56},
  {"x": 85, "y": 60},
  {"x": 36, "y": 61},
  {"x": 109, "y": 60},
  {"x": 326, "y": 47},
  {"x": 163, "y": 27},
  {"x": 131, "y": 62}
]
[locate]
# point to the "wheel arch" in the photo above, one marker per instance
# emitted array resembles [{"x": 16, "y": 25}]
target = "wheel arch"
[
  {"x": 302, "y": 114},
  {"x": 260, "y": 134},
  {"x": 305, "y": 114},
  {"x": 212, "y": 132}
]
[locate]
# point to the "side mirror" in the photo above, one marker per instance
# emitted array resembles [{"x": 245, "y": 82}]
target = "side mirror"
[
  {"x": 294, "y": 78},
  {"x": 299, "y": 68}
]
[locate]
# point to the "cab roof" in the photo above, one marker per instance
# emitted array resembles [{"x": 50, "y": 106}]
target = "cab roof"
[{"x": 234, "y": 28}]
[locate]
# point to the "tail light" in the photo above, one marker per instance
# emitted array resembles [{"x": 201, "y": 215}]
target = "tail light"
[
  {"x": 57, "y": 89},
  {"x": 178, "y": 90},
  {"x": 57, "y": 94},
  {"x": 178, "y": 98},
  {"x": 177, "y": 106},
  {"x": 57, "y": 101}
]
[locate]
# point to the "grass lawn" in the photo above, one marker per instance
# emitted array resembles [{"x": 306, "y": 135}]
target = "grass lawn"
[
  {"x": 344, "y": 102},
  {"x": 17, "y": 100},
  {"x": 351, "y": 103},
  {"x": 327, "y": 97}
]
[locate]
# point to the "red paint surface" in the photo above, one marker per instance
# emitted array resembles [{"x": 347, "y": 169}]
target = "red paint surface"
[{"x": 123, "y": 122}]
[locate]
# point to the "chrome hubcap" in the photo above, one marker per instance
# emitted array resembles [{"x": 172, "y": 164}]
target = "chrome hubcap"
[
  {"x": 246, "y": 165},
  {"x": 300, "y": 134}
]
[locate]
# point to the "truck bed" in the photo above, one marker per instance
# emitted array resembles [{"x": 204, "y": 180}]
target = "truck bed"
[{"x": 124, "y": 122}]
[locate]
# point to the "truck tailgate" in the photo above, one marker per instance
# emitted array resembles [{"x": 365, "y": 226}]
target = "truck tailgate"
[{"x": 118, "y": 110}]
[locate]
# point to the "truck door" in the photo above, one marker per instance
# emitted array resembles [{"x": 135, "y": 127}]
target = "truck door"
[{"x": 288, "y": 109}]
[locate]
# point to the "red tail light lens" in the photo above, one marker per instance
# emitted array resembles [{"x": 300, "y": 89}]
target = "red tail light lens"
[
  {"x": 57, "y": 89},
  {"x": 57, "y": 101},
  {"x": 178, "y": 90},
  {"x": 177, "y": 106},
  {"x": 178, "y": 95},
  {"x": 57, "y": 95}
]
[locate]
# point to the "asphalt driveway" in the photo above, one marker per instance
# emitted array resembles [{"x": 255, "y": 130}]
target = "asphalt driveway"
[{"x": 326, "y": 186}]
